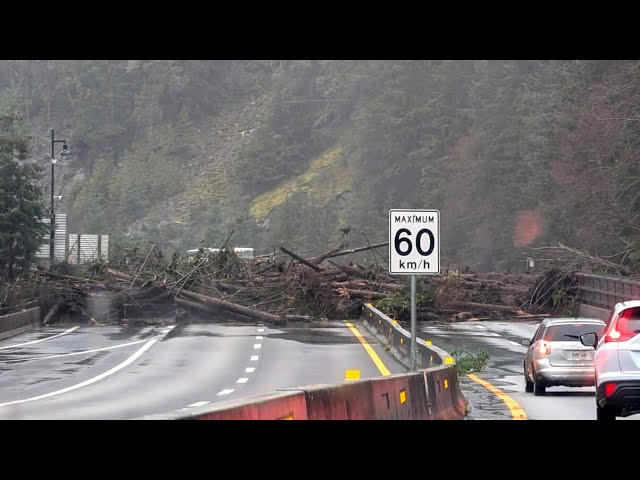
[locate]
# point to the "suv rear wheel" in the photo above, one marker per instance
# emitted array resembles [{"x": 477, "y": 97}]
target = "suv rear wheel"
[
  {"x": 538, "y": 387},
  {"x": 528, "y": 384},
  {"x": 605, "y": 414}
]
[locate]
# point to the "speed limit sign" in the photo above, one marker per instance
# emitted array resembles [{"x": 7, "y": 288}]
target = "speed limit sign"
[{"x": 414, "y": 242}]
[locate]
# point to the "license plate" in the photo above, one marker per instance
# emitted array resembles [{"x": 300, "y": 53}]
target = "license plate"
[{"x": 580, "y": 356}]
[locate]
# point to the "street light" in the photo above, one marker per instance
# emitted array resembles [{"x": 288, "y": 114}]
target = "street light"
[{"x": 52, "y": 229}]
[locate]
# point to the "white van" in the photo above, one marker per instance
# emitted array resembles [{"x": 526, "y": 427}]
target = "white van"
[{"x": 242, "y": 252}]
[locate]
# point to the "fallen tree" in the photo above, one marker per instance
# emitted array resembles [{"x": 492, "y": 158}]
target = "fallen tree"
[{"x": 285, "y": 287}]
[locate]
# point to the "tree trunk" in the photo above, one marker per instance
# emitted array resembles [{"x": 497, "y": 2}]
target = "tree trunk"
[
  {"x": 232, "y": 307},
  {"x": 54, "y": 311},
  {"x": 483, "y": 306},
  {"x": 301, "y": 260}
]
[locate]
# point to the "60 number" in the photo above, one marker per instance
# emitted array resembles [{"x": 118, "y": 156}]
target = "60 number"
[{"x": 407, "y": 241}]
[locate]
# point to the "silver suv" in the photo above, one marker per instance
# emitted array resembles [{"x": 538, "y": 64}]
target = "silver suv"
[
  {"x": 617, "y": 362},
  {"x": 556, "y": 357}
]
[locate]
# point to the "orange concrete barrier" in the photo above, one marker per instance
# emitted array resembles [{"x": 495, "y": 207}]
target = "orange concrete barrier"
[{"x": 268, "y": 406}]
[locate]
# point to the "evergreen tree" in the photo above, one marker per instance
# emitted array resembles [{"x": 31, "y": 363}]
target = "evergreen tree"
[{"x": 21, "y": 207}]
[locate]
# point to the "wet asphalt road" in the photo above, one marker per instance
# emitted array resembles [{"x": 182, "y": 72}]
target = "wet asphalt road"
[
  {"x": 505, "y": 371},
  {"x": 127, "y": 372}
]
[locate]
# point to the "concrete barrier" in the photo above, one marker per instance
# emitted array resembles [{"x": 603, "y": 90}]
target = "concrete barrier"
[
  {"x": 431, "y": 394},
  {"x": 398, "y": 340},
  {"x": 352, "y": 401},
  {"x": 604, "y": 291},
  {"x": 19, "y": 322},
  {"x": 440, "y": 371},
  {"x": 269, "y": 406},
  {"x": 590, "y": 311}
]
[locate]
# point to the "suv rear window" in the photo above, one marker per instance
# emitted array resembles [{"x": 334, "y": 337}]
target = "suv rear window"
[
  {"x": 629, "y": 320},
  {"x": 570, "y": 332}
]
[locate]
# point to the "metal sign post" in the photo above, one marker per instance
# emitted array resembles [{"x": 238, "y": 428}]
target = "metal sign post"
[
  {"x": 413, "y": 323},
  {"x": 414, "y": 249}
]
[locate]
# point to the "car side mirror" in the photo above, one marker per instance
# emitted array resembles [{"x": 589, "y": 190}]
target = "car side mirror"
[
  {"x": 526, "y": 342},
  {"x": 589, "y": 339}
]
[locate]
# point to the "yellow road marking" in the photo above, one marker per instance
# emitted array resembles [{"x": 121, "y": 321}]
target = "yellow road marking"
[
  {"x": 374, "y": 356},
  {"x": 516, "y": 410}
]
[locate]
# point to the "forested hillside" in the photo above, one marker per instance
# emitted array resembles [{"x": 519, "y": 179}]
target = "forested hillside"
[{"x": 312, "y": 154}]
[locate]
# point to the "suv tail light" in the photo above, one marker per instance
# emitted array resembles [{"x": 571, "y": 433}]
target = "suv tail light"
[
  {"x": 617, "y": 336},
  {"x": 609, "y": 388},
  {"x": 619, "y": 332},
  {"x": 544, "y": 348}
]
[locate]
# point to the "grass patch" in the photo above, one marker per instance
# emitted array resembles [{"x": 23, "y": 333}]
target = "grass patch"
[
  {"x": 324, "y": 177},
  {"x": 467, "y": 362}
]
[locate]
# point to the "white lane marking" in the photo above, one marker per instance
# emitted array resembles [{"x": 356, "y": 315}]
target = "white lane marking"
[
  {"x": 249, "y": 369},
  {"x": 128, "y": 361},
  {"x": 259, "y": 337},
  {"x": 76, "y": 353},
  {"x": 115, "y": 369},
  {"x": 72, "y": 329},
  {"x": 198, "y": 404},
  {"x": 260, "y": 330},
  {"x": 515, "y": 343},
  {"x": 254, "y": 358},
  {"x": 481, "y": 326},
  {"x": 242, "y": 380},
  {"x": 257, "y": 346},
  {"x": 225, "y": 392}
]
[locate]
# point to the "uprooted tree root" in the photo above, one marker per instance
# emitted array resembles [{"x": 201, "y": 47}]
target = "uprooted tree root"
[{"x": 553, "y": 292}]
